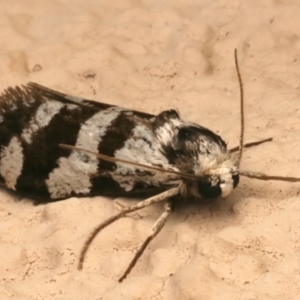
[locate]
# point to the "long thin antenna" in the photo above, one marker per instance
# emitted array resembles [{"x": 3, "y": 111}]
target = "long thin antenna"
[
  {"x": 132, "y": 163},
  {"x": 241, "y": 108},
  {"x": 262, "y": 176},
  {"x": 152, "y": 168},
  {"x": 252, "y": 144}
]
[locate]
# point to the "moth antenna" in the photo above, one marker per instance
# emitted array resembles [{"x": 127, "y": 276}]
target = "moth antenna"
[
  {"x": 150, "y": 201},
  {"x": 113, "y": 159},
  {"x": 249, "y": 174},
  {"x": 262, "y": 176},
  {"x": 241, "y": 108},
  {"x": 252, "y": 144},
  {"x": 155, "y": 229}
]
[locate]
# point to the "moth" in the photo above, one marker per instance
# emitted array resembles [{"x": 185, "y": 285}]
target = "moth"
[{"x": 54, "y": 146}]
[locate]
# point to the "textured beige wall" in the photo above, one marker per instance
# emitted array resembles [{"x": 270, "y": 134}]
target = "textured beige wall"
[{"x": 153, "y": 55}]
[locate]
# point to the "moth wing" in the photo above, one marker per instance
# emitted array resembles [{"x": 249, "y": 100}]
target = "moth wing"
[{"x": 64, "y": 98}]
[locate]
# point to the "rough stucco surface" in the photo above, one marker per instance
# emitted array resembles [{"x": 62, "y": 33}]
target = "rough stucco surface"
[{"x": 150, "y": 56}]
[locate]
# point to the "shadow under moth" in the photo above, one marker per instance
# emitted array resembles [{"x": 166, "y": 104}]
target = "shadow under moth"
[{"x": 55, "y": 146}]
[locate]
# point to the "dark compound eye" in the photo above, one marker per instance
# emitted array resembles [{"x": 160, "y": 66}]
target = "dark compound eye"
[
  {"x": 209, "y": 191},
  {"x": 206, "y": 190}
]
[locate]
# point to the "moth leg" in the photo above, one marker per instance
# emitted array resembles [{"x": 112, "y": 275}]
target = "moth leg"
[
  {"x": 156, "y": 228},
  {"x": 150, "y": 201}
]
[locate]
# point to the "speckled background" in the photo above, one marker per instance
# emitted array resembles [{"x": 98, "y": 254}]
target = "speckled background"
[{"x": 154, "y": 55}]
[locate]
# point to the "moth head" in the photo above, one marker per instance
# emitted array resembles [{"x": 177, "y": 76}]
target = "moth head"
[
  {"x": 198, "y": 151},
  {"x": 215, "y": 182}
]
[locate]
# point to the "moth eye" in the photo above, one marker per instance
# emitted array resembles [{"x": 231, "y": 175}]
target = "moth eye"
[
  {"x": 215, "y": 187},
  {"x": 207, "y": 190}
]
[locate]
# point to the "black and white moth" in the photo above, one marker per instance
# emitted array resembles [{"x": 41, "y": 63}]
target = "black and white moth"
[
  {"x": 35, "y": 120},
  {"x": 54, "y": 146}
]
